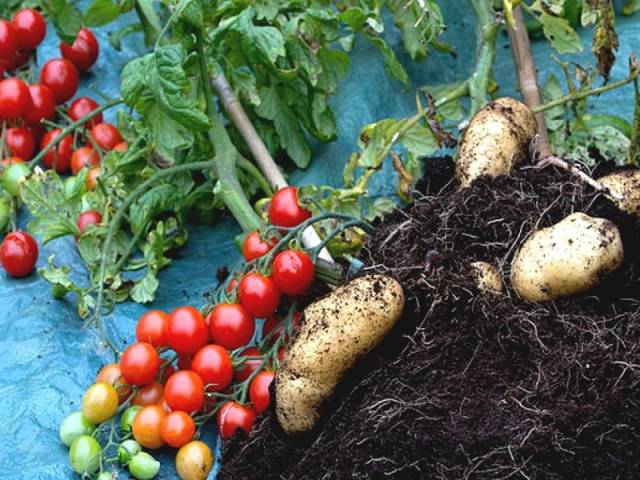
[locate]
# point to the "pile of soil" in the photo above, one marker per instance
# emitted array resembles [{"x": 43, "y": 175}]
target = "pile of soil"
[{"x": 471, "y": 384}]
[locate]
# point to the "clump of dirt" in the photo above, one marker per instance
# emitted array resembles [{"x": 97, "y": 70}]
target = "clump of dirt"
[{"x": 476, "y": 385}]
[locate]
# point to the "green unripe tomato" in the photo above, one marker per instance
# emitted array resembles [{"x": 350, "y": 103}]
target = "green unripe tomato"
[
  {"x": 84, "y": 455},
  {"x": 74, "y": 425},
  {"x": 127, "y": 450},
  {"x": 106, "y": 476},
  {"x": 143, "y": 466},
  {"x": 126, "y": 420},
  {"x": 5, "y": 210},
  {"x": 12, "y": 177}
]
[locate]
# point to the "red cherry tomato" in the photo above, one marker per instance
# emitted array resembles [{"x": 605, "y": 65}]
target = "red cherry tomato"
[
  {"x": 14, "y": 98},
  {"x": 60, "y": 156},
  {"x": 21, "y": 142},
  {"x": 177, "y": 429},
  {"x": 187, "y": 331},
  {"x": 276, "y": 325},
  {"x": 233, "y": 416},
  {"x": 106, "y": 136},
  {"x": 38, "y": 131},
  {"x": 254, "y": 247},
  {"x": 140, "y": 364},
  {"x": 122, "y": 147},
  {"x": 91, "y": 181},
  {"x": 152, "y": 328},
  {"x": 83, "y": 157},
  {"x": 259, "y": 391},
  {"x": 230, "y": 326},
  {"x": 248, "y": 366},
  {"x": 163, "y": 404},
  {"x": 258, "y": 295},
  {"x": 83, "y": 106},
  {"x": 8, "y": 39},
  {"x": 184, "y": 391},
  {"x": 146, "y": 426},
  {"x": 90, "y": 217},
  {"x": 15, "y": 61},
  {"x": 151, "y": 394},
  {"x": 84, "y": 51},
  {"x": 18, "y": 254},
  {"x": 43, "y": 104},
  {"x": 213, "y": 364},
  {"x": 61, "y": 77},
  {"x": 285, "y": 210},
  {"x": 31, "y": 28},
  {"x": 293, "y": 272}
]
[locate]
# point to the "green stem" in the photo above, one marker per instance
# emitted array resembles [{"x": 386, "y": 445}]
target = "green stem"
[
  {"x": 487, "y": 33},
  {"x": 72, "y": 128},
  {"x": 634, "y": 148},
  {"x": 256, "y": 174},
  {"x": 581, "y": 94},
  {"x": 224, "y": 163}
]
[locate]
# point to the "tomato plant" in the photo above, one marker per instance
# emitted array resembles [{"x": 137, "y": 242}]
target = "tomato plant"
[
  {"x": 83, "y": 106},
  {"x": 43, "y": 104},
  {"x": 91, "y": 181},
  {"x": 187, "y": 331},
  {"x": 14, "y": 97},
  {"x": 258, "y": 295},
  {"x": 30, "y": 27},
  {"x": 85, "y": 219},
  {"x": 234, "y": 416},
  {"x": 18, "y": 253},
  {"x": 100, "y": 402},
  {"x": 273, "y": 327},
  {"x": 254, "y": 247},
  {"x": 259, "y": 390},
  {"x": 140, "y": 364},
  {"x": 84, "y": 51},
  {"x": 177, "y": 429},
  {"x": 8, "y": 39},
  {"x": 150, "y": 394},
  {"x": 184, "y": 391},
  {"x": 106, "y": 136},
  {"x": 152, "y": 328},
  {"x": 21, "y": 142},
  {"x": 74, "y": 425},
  {"x": 146, "y": 426},
  {"x": 285, "y": 209},
  {"x": 293, "y": 272},
  {"x": 60, "y": 156},
  {"x": 84, "y": 455},
  {"x": 230, "y": 326},
  {"x": 247, "y": 367},
  {"x": 111, "y": 374},
  {"x": 61, "y": 77},
  {"x": 83, "y": 157},
  {"x": 213, "y": 364}
]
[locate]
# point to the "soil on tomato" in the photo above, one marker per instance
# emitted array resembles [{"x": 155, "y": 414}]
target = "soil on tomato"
[{"x": 471, "y": 384}]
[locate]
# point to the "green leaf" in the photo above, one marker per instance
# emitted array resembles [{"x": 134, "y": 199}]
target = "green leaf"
[
  {"x": 420, "y": 141},
  {"x": 558, "y": 31},
  {"x": 166, "y": 135},
  {"x": 164, "y": 197},
  {"x": 421, "y": 23},
  {"x": 66, "y": 18},
  {"x": 267, "y": 41},
  {"x": 335, "y": 65},
  {"x": 555, "y": 117},
  {"x": 101, "y": 12},
  {"x": 392, "y": 64},
  {"x": 144, "y": 291},
  {"x": 630, "y": 7}
]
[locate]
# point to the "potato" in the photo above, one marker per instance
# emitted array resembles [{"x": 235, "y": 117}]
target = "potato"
[
  {"x": 338, "y": 330},
  {"x": 567, "y": 258},
  {"x": 488, "y": 277},
  {"x": 626, "y": 186},
  {"x": 495, "y": 141},
  {"x": 194, "y": 461}
]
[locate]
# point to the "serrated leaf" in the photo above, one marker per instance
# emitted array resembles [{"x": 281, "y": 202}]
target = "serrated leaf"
[
  {"x": 161, "y": 198},
  {"x": 65, "y": 17},
  {"x": 554, "y": 118},
  {"x": 420, "y": 141},
  {"x": 101, "y": 12},
  {"x": 561, "y": 35},
  {"x": 335, "y": 65},
  {"x": 391, "y": 62},
  {"x": 144, "y": 291}
]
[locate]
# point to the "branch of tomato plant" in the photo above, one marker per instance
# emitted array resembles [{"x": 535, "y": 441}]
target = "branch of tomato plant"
[
  {"x": 265, "y": 161},
  {"x": 634, "y": 148},
  {"x": 72, "y": 128}
]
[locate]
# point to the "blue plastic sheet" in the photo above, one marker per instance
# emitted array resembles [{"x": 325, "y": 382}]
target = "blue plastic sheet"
[{"x": 47, "y": 360}]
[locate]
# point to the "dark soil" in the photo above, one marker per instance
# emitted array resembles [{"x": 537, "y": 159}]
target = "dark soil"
[{"x": 474, "y": 385}]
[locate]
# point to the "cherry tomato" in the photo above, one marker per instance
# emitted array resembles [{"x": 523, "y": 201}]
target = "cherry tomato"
[
  {"x": 259, "y": 296},
  {"x": 282, "y": 351},
  {"x": 15, "y": 61},
  {"x": 285, "y": 210},
  {"x": 14, "y": 98},
  {"x": 140, "y": 364},
  {"x": 43, "y": 104},
  {"x": 18, "y": 254},
  {"x": 83, "y": 106},
  {"x": 91, "y": 181},
  {"x": 2, "y": 71},
  {"x": 60, "y": 155},
  {"x": 248, "y": 366},
  {"x": 233, "y": 416},
  {"x": 163, "y": 404},
  {"x": 276, "y": 325},
  {"x": 61, "y": 77},
  {"x": 293, "y": 272},
  {"x": 152, "y": 328},
  {"x": 106, "y": 136},
  {"x": 11, "y": 161},
  {"x": 254, "y": 247},
  {"x": 230, "y": 326},
  {"x": 31, "y": 28},
  {"x": 151, "y": 394},
  {"x": 14, "y": 174},
  {"x": 259, "y": 390},
  {"x": 8, "y": 39},
  {"x": 83, "y": 157},
  {"x": 20, "y": 142},
  {"x": 177, "y": 429},
  {"x": 187, "y": 331},
  {"x": 146, "y": 426},
  {"x": 100, "y": 402},
  {"x": 111, "y": 374},
  {"x": 213, "y": 364},
  {"x": 122, "y": 147},
  {"x": 184, "y": 391},
  {"x": 231, "y": 286},
  {"x": 84, "y": 51},
  {"x": 89, "y": 217},
  {"x": 38, "y": 130},
  {"x": 184, "y": 362}
]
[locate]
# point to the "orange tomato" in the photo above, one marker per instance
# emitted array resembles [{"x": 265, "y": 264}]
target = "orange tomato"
[
  {"x": 146, "y": 426},
  {"x": 150, "y": 394},
  {"x": 111, "y": 374},
  {"x": 177, "y": 429},
  {"x": 91, "y": 181}
]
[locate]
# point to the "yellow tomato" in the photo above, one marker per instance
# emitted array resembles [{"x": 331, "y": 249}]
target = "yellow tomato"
[
  {"x": 194, "y": 461},
  {"x": 100, "y": 402}
]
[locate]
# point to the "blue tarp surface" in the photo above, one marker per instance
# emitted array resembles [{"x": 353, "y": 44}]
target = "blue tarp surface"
[{"x": 47, "y": 360}]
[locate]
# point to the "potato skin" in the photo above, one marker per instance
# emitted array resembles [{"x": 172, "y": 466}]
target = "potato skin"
[
  {"x": 627, "y": 185},
  {"x": 487, "y": 276},
  {"x": 338, "y": 330},
  {"x": 495, "y": 141},
  {"x": 567, "y": 258}
]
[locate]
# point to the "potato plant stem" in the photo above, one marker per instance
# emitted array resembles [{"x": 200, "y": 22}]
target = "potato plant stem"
[
  {"x": 634, "y": 148},
  {"x": 487, "y": 34},
  {"x": 72, "y": 128}
]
